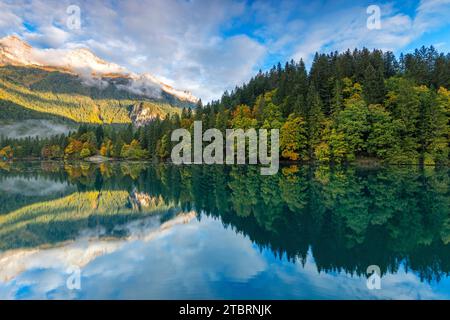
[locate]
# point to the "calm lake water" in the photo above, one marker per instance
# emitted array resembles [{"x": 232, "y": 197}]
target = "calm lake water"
[{"x": 141, "y": 231}]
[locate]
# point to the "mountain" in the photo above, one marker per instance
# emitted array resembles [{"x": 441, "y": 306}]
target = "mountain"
[
  {"x": 14, "y": 51},
  {"x": 76, "y": 86}
]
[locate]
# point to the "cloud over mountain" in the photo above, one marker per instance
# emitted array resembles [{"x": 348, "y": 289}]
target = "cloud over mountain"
[
  {"x": 87, "y": 65},
  {"x": 211, "y": 46}
]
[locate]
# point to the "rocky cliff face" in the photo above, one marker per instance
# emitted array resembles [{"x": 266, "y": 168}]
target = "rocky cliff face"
[
  {"x": 13, "y": 51},
  {"x": 142, "y": 200},
  {"x": 142, "y": 115}
]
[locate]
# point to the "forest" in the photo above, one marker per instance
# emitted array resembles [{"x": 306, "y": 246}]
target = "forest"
[
  {"x": 36, "y": 93},
  {"x": 358, "y": 104}
]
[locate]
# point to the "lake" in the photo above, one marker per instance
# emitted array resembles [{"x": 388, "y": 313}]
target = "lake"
[{"x": 144, "y": 231}]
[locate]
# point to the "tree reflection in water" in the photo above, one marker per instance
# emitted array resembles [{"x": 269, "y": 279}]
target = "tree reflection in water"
[{"x": 348, "y": 217}]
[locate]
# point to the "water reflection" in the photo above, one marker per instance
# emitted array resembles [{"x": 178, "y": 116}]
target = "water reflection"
[{"x": 141, "y": 231}]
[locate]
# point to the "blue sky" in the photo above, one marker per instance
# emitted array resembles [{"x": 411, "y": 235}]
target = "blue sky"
[{"x": 212, "y": 45}]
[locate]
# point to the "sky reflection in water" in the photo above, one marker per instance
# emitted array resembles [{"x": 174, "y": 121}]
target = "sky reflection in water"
[{"x": 156, "y": 244}]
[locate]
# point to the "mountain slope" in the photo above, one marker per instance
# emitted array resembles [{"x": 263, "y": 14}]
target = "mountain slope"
[
  {"x": 79, "y": 88},
  {"x": 49, "y": 219},
  {"x": 35, "y": 93},
  {"x": 14, "y": 51}
]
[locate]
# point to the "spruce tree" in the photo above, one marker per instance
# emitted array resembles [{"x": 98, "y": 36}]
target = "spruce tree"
[
  {"x": 374, "y": 90},
  {"x": 313, "y": 118}
]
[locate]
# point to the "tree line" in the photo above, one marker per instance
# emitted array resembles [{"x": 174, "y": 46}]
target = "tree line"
[{"x": 350, "y": 105}]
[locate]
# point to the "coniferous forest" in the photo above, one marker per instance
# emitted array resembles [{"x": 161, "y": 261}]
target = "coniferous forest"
[{"x": 353, "y": 105}]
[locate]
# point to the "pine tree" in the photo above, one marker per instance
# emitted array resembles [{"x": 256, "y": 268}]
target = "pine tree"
[
  {"x": 374, "y": 90},
  {"x": 338, "y": 100},
  {"x": 300, "y": 89},
  {"x": 313, "y": 118}
]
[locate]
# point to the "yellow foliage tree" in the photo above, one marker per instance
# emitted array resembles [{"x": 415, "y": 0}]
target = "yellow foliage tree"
[
  {"x": 6, "y": 153},
  {"x": 293, "y": 141}
]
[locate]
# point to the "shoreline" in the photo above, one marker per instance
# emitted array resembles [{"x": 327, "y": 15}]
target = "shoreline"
[{"x": 363, "y": 162}]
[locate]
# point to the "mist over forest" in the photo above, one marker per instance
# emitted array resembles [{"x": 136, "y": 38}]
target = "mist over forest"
[{"x": 33, "y": 127}]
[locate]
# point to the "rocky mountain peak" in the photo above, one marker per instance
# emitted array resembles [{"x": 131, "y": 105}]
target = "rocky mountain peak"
[{"x": 82, "y": 61}]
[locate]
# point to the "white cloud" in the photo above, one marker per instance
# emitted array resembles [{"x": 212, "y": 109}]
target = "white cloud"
[
  {"x": 8, "y": 20},
  {"x": 48, "y": 36},
  {"x": 186, "y": 41},
  {"x": 167, "y": 38},
  {"x": 143, "y": 85},
  {"x": 32, "y": 186},
  {"x": 44, "y": 270},
  {"x": 431, "y": 14},
  {"x": 189, "y": 258},
  {"x": 218, "y": 66},
  {"x": 347, "y": 29}
]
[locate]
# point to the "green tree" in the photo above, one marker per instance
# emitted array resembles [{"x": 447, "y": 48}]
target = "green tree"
[
  {"x": 353, "y": 123},
  {"x": 432, "y": 128},
  {"x": 293, "y": 141},
  {"x": 382, "y": 132},
  {"x": 163, "y": 147},
  {"x": 333, "y": 147},
  {"x": 404, "y": 105},
  {"x": 133, "y": 151},
  {"x": 242, "y": 118},
  {"x": 313, "y": 117},
  {"x": 85, "y": 152},
  {"x": 374, "y": 90}
]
